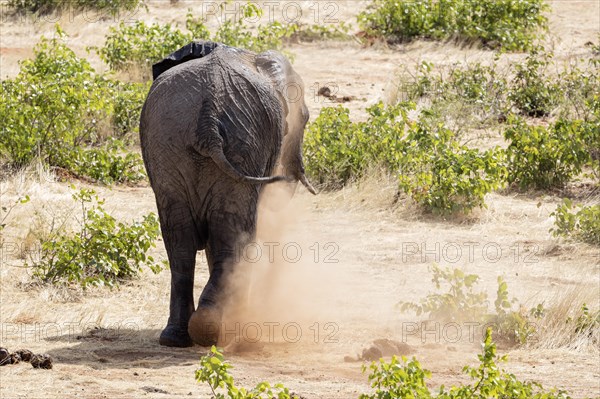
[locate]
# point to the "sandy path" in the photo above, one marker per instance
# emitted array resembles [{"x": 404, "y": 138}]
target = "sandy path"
[{"x": 338, "y": 308}]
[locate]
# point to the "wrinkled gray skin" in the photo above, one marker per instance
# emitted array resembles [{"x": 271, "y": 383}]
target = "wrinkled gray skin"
[{"x": 213, "y": 130}]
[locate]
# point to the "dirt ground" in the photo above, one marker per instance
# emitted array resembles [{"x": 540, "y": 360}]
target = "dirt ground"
[{"x": 328, "y": 271}]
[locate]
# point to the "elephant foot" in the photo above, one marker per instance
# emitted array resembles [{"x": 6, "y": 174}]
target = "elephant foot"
[
  {"x": 204, "y": 326},
  {"x": 175, "y": 336}
]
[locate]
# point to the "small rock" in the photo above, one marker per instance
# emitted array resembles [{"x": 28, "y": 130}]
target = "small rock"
[
  {"x": 4, "y": 357},
  {"x": 15, "y": 358},
  {"x": 371, "y": 354},
  {"x": 41, "y": 361},
  {"x": 25, "y": 354},
  {"x": 390, "y": 347},
  {"x": 324, "y": 91},
  {"x": 153, "y": 390}
]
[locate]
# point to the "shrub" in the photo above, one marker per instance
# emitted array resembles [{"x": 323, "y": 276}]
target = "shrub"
[
  {"x": 103, "y": 252},
  {"x": 545, "y": 157},
  {"x": 338, "y": 150},
  {"x": 583, "y": 225},
  {"x": 580, "y": 88},
  {"x": 587, "y": 322},
  {"x": 331, "y": 155},
  {"x": 510, "y": 24},
  {"x": 128, "y": 100},
  {"x": 437, "y": 172},
  {"x": 236, "y": 32},
  {"x": 55, "y": 102},
  {"x": 591, "y": 135},
  {"x": 515, "y": 326},
  {"x": 532, "y": 91},
  {"x": 46, "y": 6},
  {"x": 459, "y": 303},
  {"x": 394, "y": 379},
  {"x": 476, "y": 95},
  {"x": 463, "y": 96},
  {"x": 408, "y": 380},
  {"x": 316, "y": 32},
  {"x": 445, "y": 177},
  {"x": 57, "y": 105},
  {"x": 107, "y": 164},
  {"x": 140, "y": 45},
  {"x": 462, "y": 303},
  {"x": 214, "y": 371}
]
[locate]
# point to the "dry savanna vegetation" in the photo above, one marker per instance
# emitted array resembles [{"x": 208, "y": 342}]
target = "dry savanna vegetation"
[{"x": 453, "y": 250}]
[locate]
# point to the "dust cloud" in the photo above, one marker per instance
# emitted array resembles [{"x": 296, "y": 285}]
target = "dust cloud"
[{"x": 301, "y": 289}]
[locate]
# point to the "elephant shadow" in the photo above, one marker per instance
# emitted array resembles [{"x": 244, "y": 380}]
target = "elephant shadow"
[{"x": 102, "y": 348}]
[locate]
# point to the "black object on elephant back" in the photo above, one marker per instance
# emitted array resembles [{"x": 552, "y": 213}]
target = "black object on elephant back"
[{"x": 188, "y": 52}]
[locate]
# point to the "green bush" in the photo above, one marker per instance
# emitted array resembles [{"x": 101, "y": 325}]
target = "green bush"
[
  {"x": 433, "y": 168},
  {"x": 459, "y": 303},
  {"x": 515, "y": 326},
  {"x": 591, "y": 135},
  {"x": 444, "y": 176},
  {"x": 331, "y": 154},
  {"x": 107, "y": 164},
  {"x": 587, "y": 322},
  {"x": 57, "y": 106},
  {"x": 214, "y": 371},
  {"x": 408, "y": 380},
  {"x": 462, "y": 96},
  {"x": 545, "y": 157},
  {"x": 510, "y": 24},
  {"x": 580, "y": 88},
  {"x": 476, "y": 95},
  {"x": 532, "y": 91},
  {"x": 103, "y": 252},
  {"x": 583, "y": 225},
  {"x": 462, "y": 303},
  {"x": 338, "y": 150},
  {"x": 55, "y": 102},
  {"x": 394, "y": 379},
  {"x": 46, "y": 6},
  {"x": 130, "y": 46},
  {"x": 236, "y": 32},
  {"x": 128, "y": 100},
  {"x": 316, "y": 32},
  {"x": 140, "y": 45}
]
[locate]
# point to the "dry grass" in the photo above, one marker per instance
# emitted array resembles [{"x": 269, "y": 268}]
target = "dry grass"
[{"x": 560, "y": 329}]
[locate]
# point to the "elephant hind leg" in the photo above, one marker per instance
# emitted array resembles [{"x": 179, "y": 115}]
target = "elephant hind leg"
[
  {"x": 205, "y": 323},
  {"x": 181, "y": 242},
  {"x": 227, "y": 284}
]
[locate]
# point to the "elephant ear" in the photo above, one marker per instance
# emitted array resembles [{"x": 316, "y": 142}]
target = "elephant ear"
[{"x": 276, "y": 67}]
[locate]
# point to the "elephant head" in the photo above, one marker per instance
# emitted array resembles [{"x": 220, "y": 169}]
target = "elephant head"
[{"x": 289, "y": 88}]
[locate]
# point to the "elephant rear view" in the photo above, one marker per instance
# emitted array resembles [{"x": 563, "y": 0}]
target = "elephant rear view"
[{"x": 217, "y": 122}]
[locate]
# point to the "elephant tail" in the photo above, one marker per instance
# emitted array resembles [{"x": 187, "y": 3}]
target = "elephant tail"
[
  {"x": 307, "y": 184},
  {"x": 218, "y": 157}
]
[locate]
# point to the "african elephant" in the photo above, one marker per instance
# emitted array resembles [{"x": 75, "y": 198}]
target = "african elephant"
[{"x": 217, "y": 123}]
